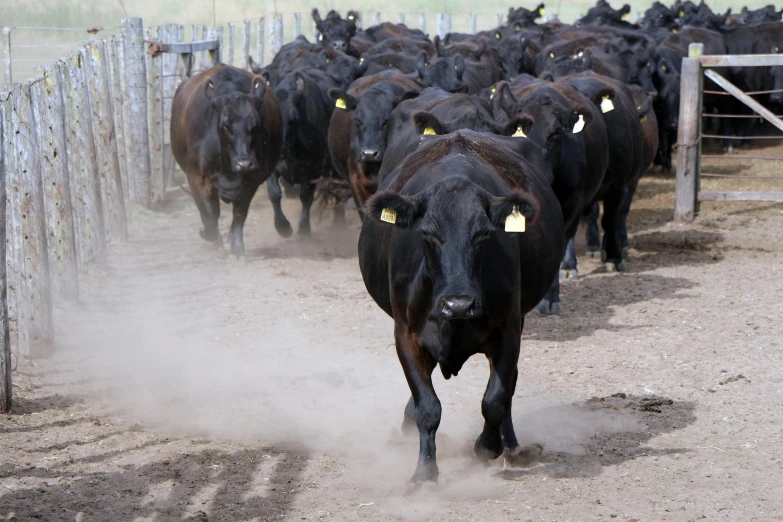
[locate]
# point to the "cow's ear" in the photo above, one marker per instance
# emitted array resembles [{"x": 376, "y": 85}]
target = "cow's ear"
[
  {"x": 436, "y": 44},
  {"x": 427, "y": 124},
  {"x": 360, "y": 67},
  {"x": 258, "y": 86},
  {"x": 459, "y": 66},
  {"x": 353, "y": 17},
  {"x": 480, "y": 49},
  {"x": 421, "y": 63},
  {"x": 518, "y": 127},
  {"x": 317, "y": 19},
  {"x": 209, "y": 92},
  {"x": 342, "y": 100},
  {"x": 503, "y": 100},
  {"x": 300, "y": 82},
  {"x": 624, "y": 10},
  {"x": 500, "y": 208},
  {"x": 395, "y": 209},
  {"x": 540, "y": 11}
]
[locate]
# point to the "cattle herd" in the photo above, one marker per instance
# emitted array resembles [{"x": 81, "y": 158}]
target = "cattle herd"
[{"x": 470, "y": 160}]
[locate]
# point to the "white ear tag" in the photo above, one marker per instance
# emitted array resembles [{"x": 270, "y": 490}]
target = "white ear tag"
[
  {"x": 515, "y": 222},
  {"x": 388, "y": 215},
  {"x": 606, "y": 105},
  {"x": 519, "y": 133},
  {"x": 579, "y": 125}
]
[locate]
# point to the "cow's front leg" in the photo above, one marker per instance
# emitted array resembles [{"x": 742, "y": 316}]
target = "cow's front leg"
[
  {"x": 418, "y": 365},
  {"x": 238, "y": 225},
  {"x": 593, "y": 234},
  {"x": 496, "y": 404},
  {"x": 306, "y": 196},
  {"x": 282, "y": 225},
  {"x": 208, "y": 204}
]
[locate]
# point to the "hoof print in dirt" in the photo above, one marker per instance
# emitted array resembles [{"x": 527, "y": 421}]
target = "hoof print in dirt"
[{"x": 523, "y": 457}]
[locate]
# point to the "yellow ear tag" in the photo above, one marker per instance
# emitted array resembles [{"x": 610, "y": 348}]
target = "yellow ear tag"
[
  {"x": 492, "y": 95},
  {"x": 625, "y": 16},
  {"x": 663, "y": 68},
  {"x": 579, "y": 125},
  {"x": 643, "y": 118},
  {"x": 607, "y": 105},
  {"x": 429, "y": 131},
  {"x": 674, "y": 29},
  {"x": 328, "y": 60},
  {"x": 340, "y": 104},
  {"x": 515, "y": 222},
  {"x": 682, "y": 13},
  {"x": 777, "y": 50},
  {"x": 497, "y": 35},
  {"x": 519, "y": 133},
  {"x": 551, "y": 55},
  {"x": 541, "y": 11},
  {"x": 581, "y": 53},
  {"x": 361, "y": 60},
  {"x": 389, "y": 216}
]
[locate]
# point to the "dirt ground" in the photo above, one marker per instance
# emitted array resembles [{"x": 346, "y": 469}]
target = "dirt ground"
[{"x": 189, "y": 386}]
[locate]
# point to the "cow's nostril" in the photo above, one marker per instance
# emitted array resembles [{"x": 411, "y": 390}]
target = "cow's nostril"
[{"x": 456, "y": 307}]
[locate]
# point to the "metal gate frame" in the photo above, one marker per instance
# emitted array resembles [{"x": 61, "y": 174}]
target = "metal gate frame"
[{"x": 688, "y": 181}]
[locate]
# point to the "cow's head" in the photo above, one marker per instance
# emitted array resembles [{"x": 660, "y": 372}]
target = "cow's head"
[
  {"x": 335, "y": 32},
  {"x": 514, "y": 56},
  {"x": 291, "y": 93},
  {"x": 668, "y": 100},
  {"x": 525, "y": 17},
  {"x": 370, "y": 118},
  {"x": 342, "y": 67},
  {"x": 240, "y": 131},
  {"x": 454, "y": 219},
  {"x": 445, "y": 73},
  {"x": 760, "y": 16}
]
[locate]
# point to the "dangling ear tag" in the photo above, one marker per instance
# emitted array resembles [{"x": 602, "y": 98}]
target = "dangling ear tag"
[
  {"x": 519, "y": 133},
  {"x": 606, "y": 105},
  {"x": 579, "y": 125},
  {"x": 429, "y": 131},
  {"x": 515, "y": 222},
  {"x": 340, "y": 104},
  {"x": 389, "y": 216}
]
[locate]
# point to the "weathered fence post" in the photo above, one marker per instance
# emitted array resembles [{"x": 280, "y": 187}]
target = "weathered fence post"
[
  {"x": 49, "y": 113},
  {"x": 231, "y": 39},
  {"x": 260, "y": 42},
  {"x": 245, "y": 45},
  {"x": 216, "y": 33},
  {"x": 14, "y": 256},
  {"x": 501, "y": 19},
  {"x": 134, "y": 114},
  {"x": 6, "y": 386},
  {"x": 203, "y": 61},
  {"x": 472, "y": 23},
  {"x": 7, "y": 55},
  {"x": 297, "y": 24},
  {"x": 169, "y": 33},
  {"x": 689, "y": 136},
  {"x": 443, "y": 23},
  {"x": 104, "y": 138},
  {"x": 275, "y": 34},
  {"x": 376, "y": 18},
  {"x": 119, "y": 125},
  {"x": 31, "y": 269},
  {"x": 82, "y": 167},
  {"x": 423, "y": 23},
  {"x": 155, "y": 118},
  {"x": 401, "y": 18}
]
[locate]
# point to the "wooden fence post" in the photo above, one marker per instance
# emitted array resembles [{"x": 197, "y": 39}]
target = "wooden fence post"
[
  {"x": 472, "y": 23},
  {"x": 689, "y": 136},
  {"x": 49, "y": 113},
  {"x": 502, "y": 18},
  {"x": 155, "y": 118},
  {"x": 297, "y": 24},
  {"x": 203, "y": 61},
  {"x": 34, "y": 312},
  {"x": 376, "y": 19},
  {"x": 245, "y": 45},
  {"x": 443, "y": 23},
  {"x": 119, "y": 125},
  {"x": 275, "y": 34},
  {"x": 14, "y": 256},
  {"x": 423, "y": 23},
  {"x": 169, "y": 33},
  {"x": 105, "y": 142},
  {"x": 6, "y": 386},
  {"x": 134, "y": 114},
  {"x": 216, "y": 33},
  {"x": 231, "y": 40},
  {"x": 260, "y": 42},
  {"x": 82, "y": 167},
  {"x": 8, "y": 77},
  {"x": 401, "y": 18}
]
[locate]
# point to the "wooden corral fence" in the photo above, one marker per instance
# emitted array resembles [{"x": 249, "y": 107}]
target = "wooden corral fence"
[
  {"x": 689, "y": 153},
  {"x": 87, "y": 139}
]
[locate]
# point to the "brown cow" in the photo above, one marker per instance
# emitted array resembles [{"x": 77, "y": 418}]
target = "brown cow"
[{"x": 226, "y": 135}]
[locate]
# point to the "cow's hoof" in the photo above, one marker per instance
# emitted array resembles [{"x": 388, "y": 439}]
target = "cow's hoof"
[
  {"x": 424, "y": 474},
  {"x": 571, "y": 274},
  {"x": 592, "y": 252},
  {"x": 603, "y": 256},
  {"x": 211, "y": 237},
  {"x": 488, "y": 450},
  {"x": 612, "y": 267},
  {"x": 625, "y": 252},
  {"x": 304, "y": 232},
  {"x": 522, "y": 457},
  {"x": 284, "y": 228},
  {"x": 417, "y": 486},
  {"x": 547, "y": 308}
]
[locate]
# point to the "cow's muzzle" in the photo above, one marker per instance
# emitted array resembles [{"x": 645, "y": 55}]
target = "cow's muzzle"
[{"x": 459, "y": 307}]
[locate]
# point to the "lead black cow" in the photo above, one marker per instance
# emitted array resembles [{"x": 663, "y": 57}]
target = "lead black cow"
[
  {"x": 226, "y": 136},
  {"x": 453, "y": 280}
]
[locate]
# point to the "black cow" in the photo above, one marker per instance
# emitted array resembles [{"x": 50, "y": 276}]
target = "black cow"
[
  {"x": 444, "y": 73},
  {"x": 226, "y": 136},
  {"x": 572, "y": 132},
  {"x": 358, "y": 128},
  {"x": 525, "y": 17},
  {"x": 455, "y": 283},
  {"x": 759, "y": 16},
  {"x": 306, "y": 109},
  {"x": 336, "y": 32}
]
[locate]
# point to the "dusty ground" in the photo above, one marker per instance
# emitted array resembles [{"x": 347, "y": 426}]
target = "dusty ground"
[{"x": 188, "y": 386}]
